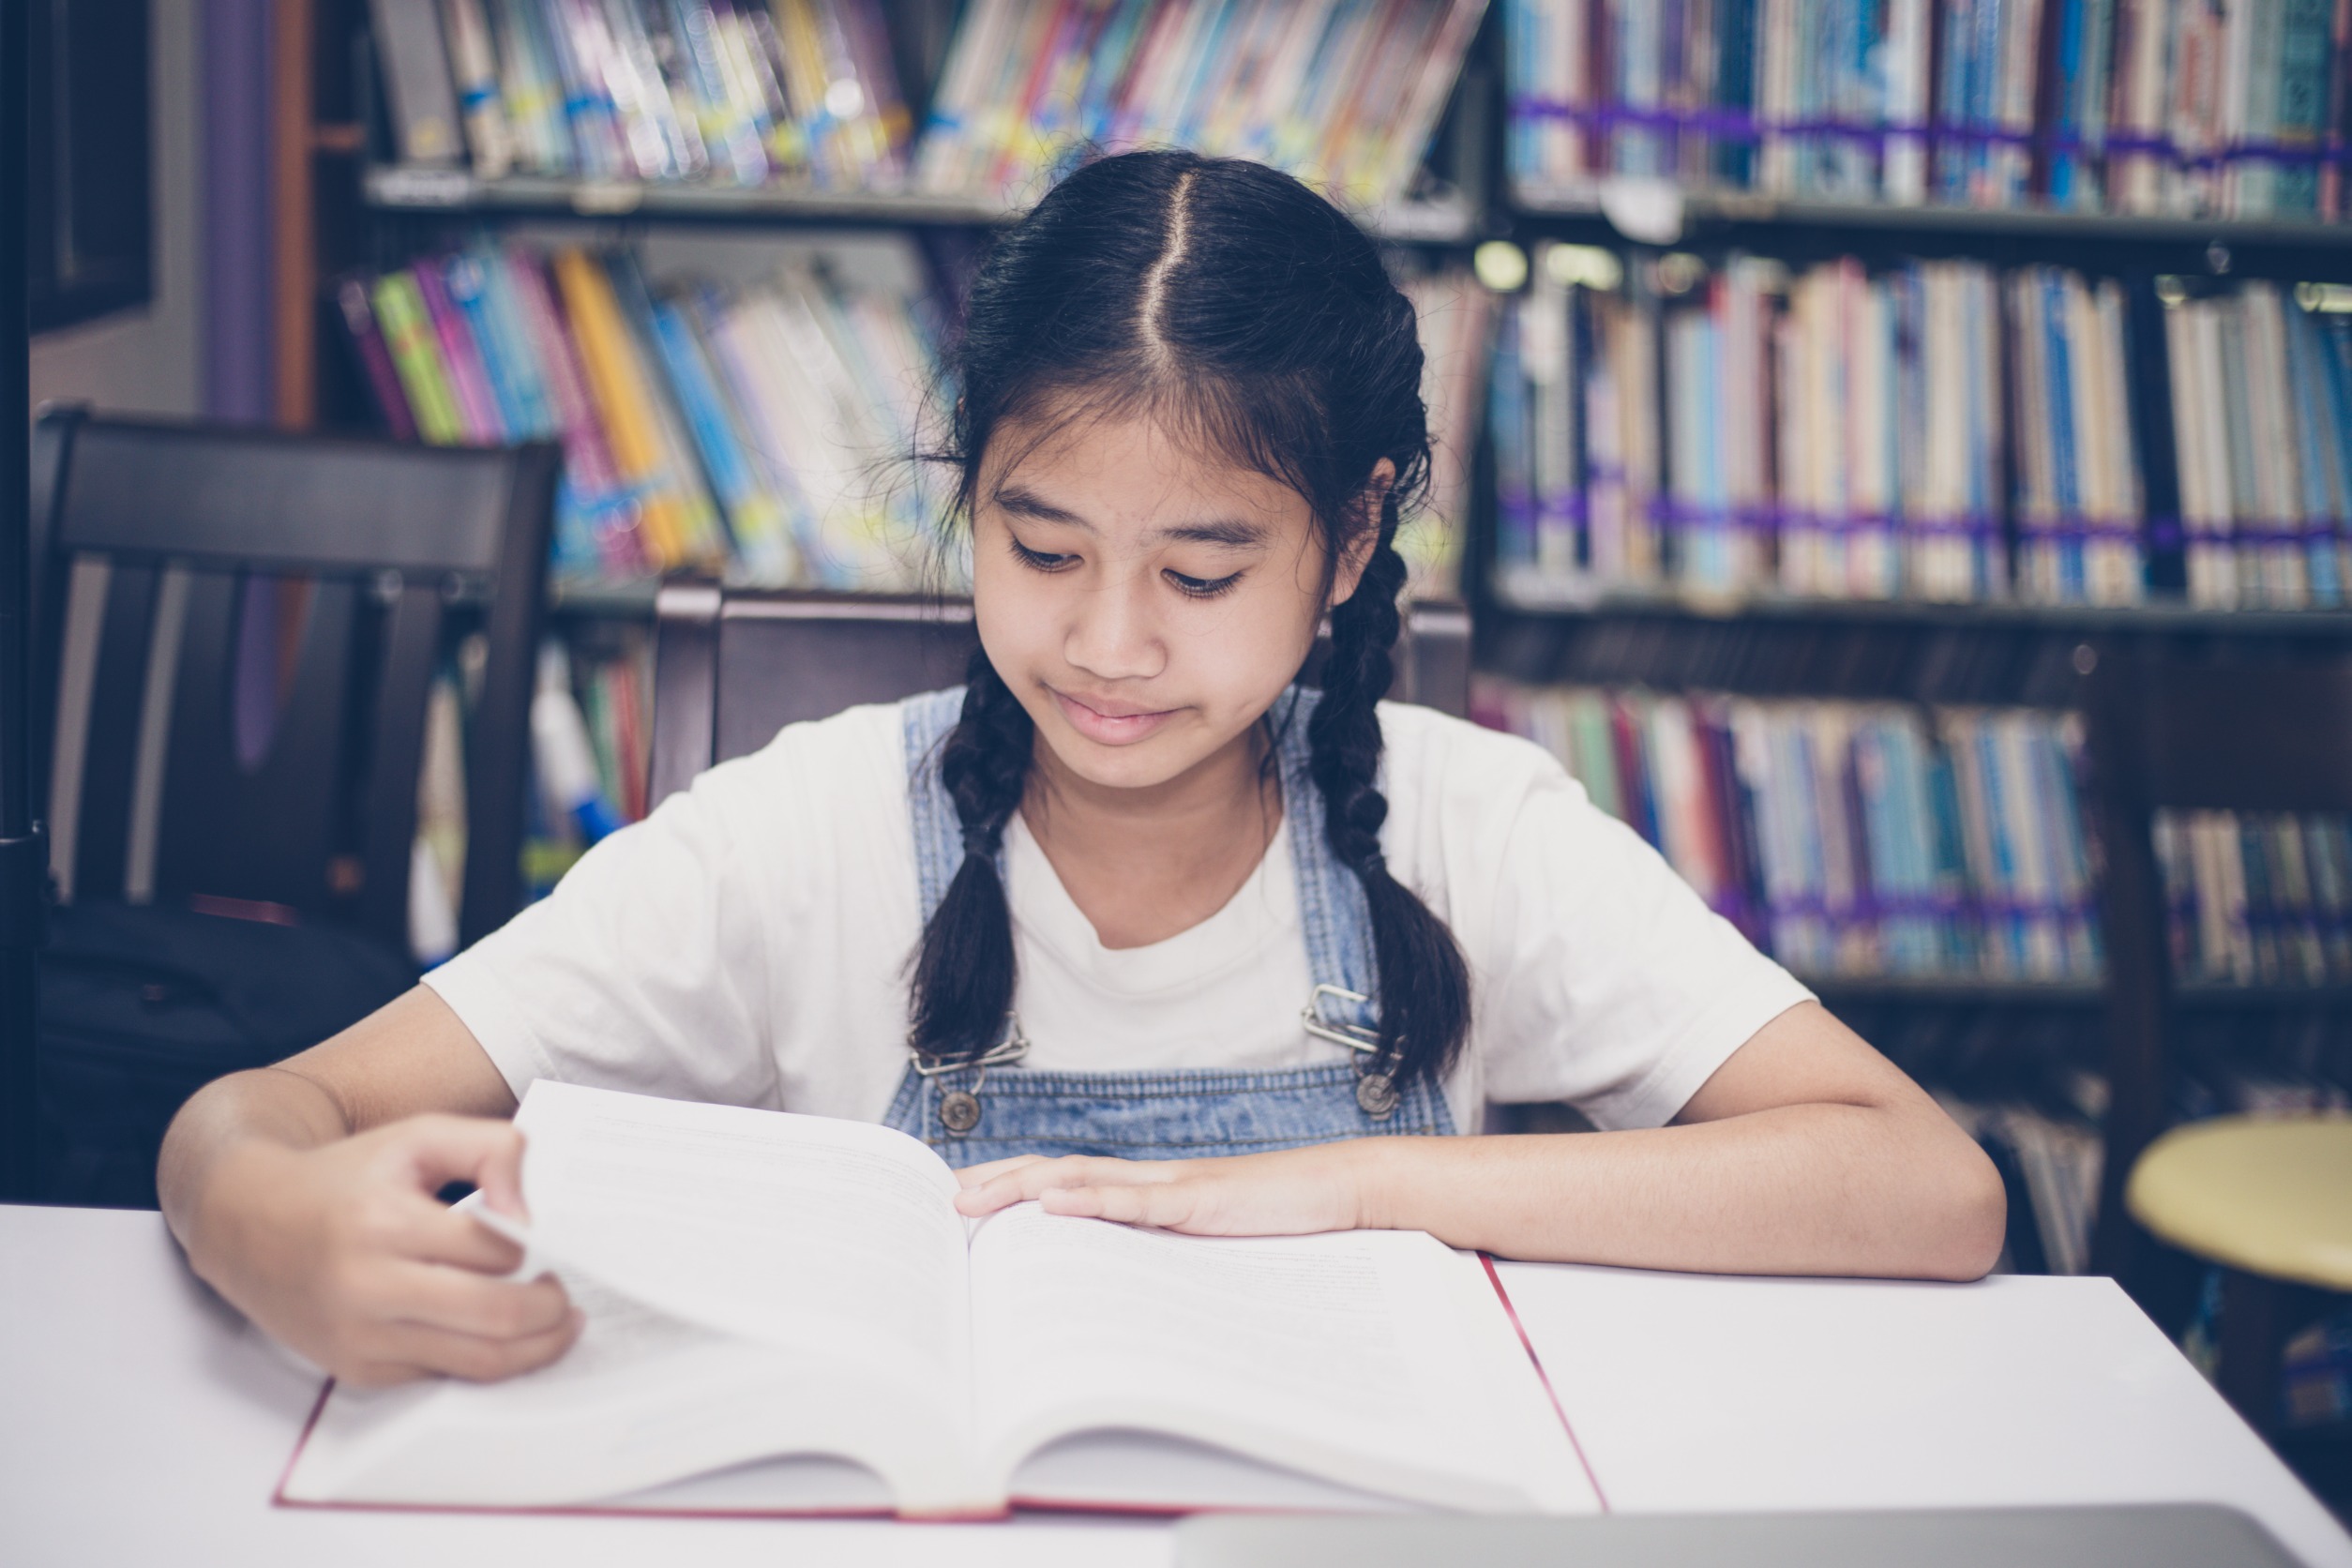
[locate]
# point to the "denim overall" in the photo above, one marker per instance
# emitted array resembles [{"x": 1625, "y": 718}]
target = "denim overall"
[{"x": 994, "y": 1107}]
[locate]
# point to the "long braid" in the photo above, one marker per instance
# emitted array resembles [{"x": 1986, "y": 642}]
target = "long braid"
[
  {"x": 1423, "y": 984},
  {"x": 964, "y": 972}
]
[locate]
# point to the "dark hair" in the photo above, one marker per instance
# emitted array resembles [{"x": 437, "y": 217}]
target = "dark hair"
[{"x": 1229, "y": 300}]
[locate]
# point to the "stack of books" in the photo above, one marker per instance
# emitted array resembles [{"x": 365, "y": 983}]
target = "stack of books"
[
  {"x": 1835, "y": 434},
  {"x": 1346, "y": 94},
  {"x": 761, "y": 433},
  {"x": 733, "y": 92},
  {"x": 1849, "y": 840},
  {"x": 2262, "y": 430},
  {"x": 2173, "y": 107},
  {"x": 2257, "y": 898}
]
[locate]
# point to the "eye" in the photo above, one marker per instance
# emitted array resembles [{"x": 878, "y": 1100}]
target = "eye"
[
  {"x": 1204, "y": 588},
  {"x": 1038, "y": 559}
]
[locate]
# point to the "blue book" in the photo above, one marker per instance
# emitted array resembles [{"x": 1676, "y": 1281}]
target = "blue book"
[
  {"x": 2063, "y": 415},
  {"x": 464, "y": 279},
  {"x": 2314, "y": 445}
]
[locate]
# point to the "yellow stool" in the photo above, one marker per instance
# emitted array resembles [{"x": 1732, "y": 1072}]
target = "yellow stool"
[{"x": 2271, "y": 1200}]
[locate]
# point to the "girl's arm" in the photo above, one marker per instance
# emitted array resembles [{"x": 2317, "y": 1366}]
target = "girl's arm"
[
  {"x": 304, "y": 1193},
  {"x": 1806, "y": 1153}
]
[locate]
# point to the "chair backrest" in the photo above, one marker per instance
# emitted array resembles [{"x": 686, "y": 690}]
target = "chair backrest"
[
  {"x": 148, "y": 534},
  {"x": 731, "y": 668},
  {"x": 2168, "y": 735}
]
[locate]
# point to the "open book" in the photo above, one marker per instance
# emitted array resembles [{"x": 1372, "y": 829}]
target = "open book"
[{"x": 786, "y": 1314}]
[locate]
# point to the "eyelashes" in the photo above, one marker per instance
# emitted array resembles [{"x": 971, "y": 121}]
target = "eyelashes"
[
  {"x": 1202, "y": 588},
  {"x": 1036, "y": 560},
  {"x": 1191, "y": 587}
]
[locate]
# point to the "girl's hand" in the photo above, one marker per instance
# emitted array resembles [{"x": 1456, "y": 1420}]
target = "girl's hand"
[
  {"x": 1330, "y": 1186},
  {"x": 343, "y": 1253}
]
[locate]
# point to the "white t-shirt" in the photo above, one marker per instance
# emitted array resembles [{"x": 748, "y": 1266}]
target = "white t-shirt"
[{"x": 750, "y": 943}]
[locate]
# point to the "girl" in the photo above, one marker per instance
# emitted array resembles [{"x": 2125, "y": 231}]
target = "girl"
[{"x": 1130, "y": 925}]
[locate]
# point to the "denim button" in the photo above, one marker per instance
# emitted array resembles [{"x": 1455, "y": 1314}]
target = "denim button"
[
  {"x": 1377, "y": 1094},
  {"x": 960, "y": 1110}
]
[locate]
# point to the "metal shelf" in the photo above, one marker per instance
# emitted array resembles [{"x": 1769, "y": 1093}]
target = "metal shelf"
[
  {"x": 1709, "y": 207},
  {"x": 1449, "y": 220},
  {"x": 2156, "y": 616}
]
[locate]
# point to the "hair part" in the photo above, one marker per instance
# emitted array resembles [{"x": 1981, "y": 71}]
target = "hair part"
[{"x": 1232, "y": 305}]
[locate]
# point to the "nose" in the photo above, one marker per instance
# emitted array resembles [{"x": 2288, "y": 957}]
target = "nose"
[{"x": 1115, "y": 635}]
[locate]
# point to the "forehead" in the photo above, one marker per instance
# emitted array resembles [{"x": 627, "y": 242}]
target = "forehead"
[{"x": 1127, "y": 463}]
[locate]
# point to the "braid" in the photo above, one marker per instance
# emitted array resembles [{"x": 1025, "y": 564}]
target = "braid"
[
  {"x": 964, "y": 972},
  {"x": 1423, "y": 984}
]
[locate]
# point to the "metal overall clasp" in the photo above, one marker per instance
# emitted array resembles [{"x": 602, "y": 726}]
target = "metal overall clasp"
[
  {"x": 959, "y": 1108},
  {"x": 1376, "y": 1077}
]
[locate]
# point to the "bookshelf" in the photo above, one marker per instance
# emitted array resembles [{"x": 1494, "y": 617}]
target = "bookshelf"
[{"x": 347, "y": 201}]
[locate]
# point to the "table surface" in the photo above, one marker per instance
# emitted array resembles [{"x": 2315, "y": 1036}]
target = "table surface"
[{"x": 142, "y": 1421}]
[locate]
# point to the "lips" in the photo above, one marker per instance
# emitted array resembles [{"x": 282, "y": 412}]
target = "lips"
[{"x": 1107, "y": 722}]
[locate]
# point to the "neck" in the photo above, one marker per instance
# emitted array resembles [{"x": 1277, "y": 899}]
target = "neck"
[{"x": 1144, "y": 865}]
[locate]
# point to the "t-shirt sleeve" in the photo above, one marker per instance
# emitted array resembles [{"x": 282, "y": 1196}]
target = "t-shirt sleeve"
[
  {"x": 646, "y": 970},
  {"x": 1600, "y": 977}
]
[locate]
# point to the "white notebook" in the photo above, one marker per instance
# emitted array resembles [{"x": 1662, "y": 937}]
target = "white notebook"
[{"x": 786, "y": 1315}]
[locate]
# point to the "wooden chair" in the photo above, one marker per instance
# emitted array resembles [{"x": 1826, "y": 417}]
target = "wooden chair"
[
  {"x": 2247, "y": 1194},
  {"x": 733, "y": 667},
  {"x": 146, "y": 532},
  {"x": 148, "y": 536}
]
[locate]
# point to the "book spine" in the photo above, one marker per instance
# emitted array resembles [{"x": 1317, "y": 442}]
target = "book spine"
[
  {"x": 375, "y": 359},
  {"x": 408, "y": 337},
  {"x": 424, "y": 104}
]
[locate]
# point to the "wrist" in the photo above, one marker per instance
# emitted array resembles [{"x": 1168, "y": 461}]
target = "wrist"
[{"x": 1385, "y": 1182}]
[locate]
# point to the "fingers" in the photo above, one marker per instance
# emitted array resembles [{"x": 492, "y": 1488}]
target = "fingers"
[
  {"x": 402, "y": 1351},
  {"x": 1167, "y": 1205},
  {"x": 988, "y": 1170},
  {"x": 469, "y": 1303},
  {"x": 439, "y": 1150},
  {"x": 1018, "y": 1180}
]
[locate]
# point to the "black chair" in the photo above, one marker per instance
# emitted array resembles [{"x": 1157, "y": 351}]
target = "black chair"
[
  {"x": 147, "y": 533},
  {"x": 731, "y": 667},
  {"x": 2164, "y": 734}
]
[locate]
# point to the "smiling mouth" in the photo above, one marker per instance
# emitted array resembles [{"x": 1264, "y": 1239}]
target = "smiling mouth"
[{"x": 1105, "y": 724}]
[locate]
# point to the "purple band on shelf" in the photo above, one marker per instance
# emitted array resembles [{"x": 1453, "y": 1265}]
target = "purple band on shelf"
[
  {"x": 1924, "y": 906},
  {"x": 1733, "y": 124}
]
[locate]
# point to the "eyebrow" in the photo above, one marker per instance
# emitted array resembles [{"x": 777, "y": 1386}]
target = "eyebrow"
[{"x": 1220, "y": 531}]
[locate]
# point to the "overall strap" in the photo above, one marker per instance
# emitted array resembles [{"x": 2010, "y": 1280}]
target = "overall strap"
[
  {"x": 925, "y": 722},
  {"x": 1333, "y": 911}
]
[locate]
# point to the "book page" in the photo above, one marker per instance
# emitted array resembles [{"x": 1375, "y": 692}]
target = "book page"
[
  {"x": 754, "y": 1284},
  {"x": 797, "y": 1231},
  {"x": 1379, "y": 1360},
  {"x": 641, "y": 1400}
]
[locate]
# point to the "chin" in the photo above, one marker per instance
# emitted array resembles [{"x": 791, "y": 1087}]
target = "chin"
[{"x": 1140, "y": 767}]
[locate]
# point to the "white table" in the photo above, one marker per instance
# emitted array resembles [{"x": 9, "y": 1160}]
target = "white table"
[{"x": 141, "y": 1422}]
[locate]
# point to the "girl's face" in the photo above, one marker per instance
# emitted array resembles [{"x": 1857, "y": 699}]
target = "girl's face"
[{"x": 1145, "y": 601}]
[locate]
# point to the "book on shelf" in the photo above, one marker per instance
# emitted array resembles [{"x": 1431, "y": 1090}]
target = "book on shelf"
[
  {"x": 1456, "y": 317},
  {"x": 2261, "y": 404},
  {"x": 786, "y": 1314},
  {"x": 753, "y": 92},
  {"x": 2256, "y": 898},
  {"x": 1848, "y": 839},
  {"x": 2178, "y": 107},
  {"x": 732, "y": 92},
  {"x": 1836, "y": 432},
  {"x": 755, "y": 429},
  {"x": 1346, "y": 95}
]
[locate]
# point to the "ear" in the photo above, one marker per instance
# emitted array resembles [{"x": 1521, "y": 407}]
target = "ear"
[{"x": 1366, "y": 537}]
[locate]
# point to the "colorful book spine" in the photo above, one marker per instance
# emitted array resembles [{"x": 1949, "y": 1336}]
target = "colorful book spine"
[
  {"x": 1855, "y": 839},
  {"x": 375, "y": 358},
  {"x": 408, "y": 337}
]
